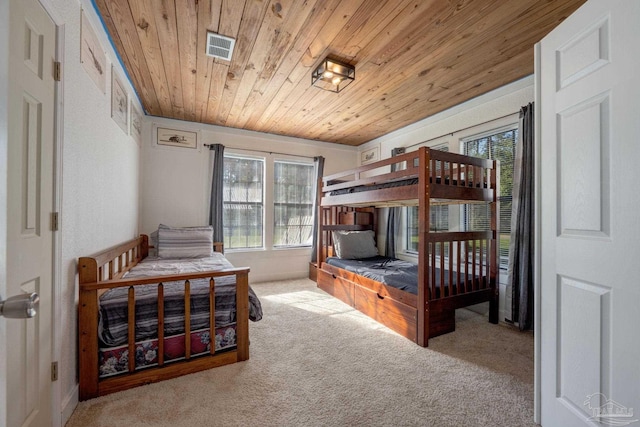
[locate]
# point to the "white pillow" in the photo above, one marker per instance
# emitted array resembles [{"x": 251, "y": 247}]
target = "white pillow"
[
  {"x": 354, "y": 244},
  {"x": 185, "y": 242}
]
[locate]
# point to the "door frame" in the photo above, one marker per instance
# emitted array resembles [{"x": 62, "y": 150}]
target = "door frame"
[
  {"x": 4, "y": 137},
  {"x": 57, "y": 290},
  {"x": 537, "y": 255}
]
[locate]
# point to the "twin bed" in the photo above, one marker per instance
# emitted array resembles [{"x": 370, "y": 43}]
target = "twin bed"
[
  {"x": 144, "y": 319},
  {"x": 455, "y": 269}
]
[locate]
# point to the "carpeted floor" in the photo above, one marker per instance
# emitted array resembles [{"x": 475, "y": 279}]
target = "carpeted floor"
[{"x": 317, "y": 362}]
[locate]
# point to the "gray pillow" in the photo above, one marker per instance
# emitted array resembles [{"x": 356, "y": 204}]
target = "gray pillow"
[
  {"x": 354, "y": 244},
  {"x": 185, "y": 242}
]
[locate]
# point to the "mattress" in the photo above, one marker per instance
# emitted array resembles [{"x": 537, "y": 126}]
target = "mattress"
[
  {"x": 394, "y": 272},
  {"x": 390, "y": 271},
  {"x": 113, "y": 322},
  {"x": 361, "y": 188},
  {"x": 399, "y": 183}
]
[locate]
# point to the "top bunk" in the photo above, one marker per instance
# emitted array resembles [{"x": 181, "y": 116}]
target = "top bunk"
[{"x": 437, "y": 176}]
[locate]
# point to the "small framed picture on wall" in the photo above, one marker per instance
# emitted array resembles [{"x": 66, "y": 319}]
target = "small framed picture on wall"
[
  {"x": 119, "y": 102},
  {"x": 370, "y": 155},
  {"x": 177, "y": 138},
  {"x": 135, "y": 123},
  {"x": 92, "y": 56}
]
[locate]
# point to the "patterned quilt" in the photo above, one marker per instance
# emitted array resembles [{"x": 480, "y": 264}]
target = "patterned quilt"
[{"x": 113, "y": 329}]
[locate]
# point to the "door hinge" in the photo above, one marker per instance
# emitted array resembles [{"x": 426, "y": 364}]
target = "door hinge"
[
  {"x": 54, "y": 221},
  {"x": 57, "y": 71},
  {"x": 54, "y": 371}
]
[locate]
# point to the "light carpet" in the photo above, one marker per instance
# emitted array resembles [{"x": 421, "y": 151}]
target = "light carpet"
[{"x": 315, "y": 361}]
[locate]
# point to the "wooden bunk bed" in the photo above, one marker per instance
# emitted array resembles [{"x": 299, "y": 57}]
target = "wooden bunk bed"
[
  {"x": 454, "y": 270},
  {"x": 107, "y": 271}
]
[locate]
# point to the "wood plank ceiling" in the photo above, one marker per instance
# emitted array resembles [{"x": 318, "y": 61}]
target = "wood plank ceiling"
[{"x": 413, "y": 59}]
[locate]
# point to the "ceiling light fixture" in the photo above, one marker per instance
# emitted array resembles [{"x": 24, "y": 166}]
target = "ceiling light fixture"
[{"x": 333, "y": 75}]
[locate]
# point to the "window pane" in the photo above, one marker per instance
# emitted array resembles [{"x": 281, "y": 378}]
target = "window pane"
[
  {"x": 243, "y": 202},
  {"x": 293, "y": 204},
  {"x": 500, "y": 146},
  {"x": 438, "y": 221}
]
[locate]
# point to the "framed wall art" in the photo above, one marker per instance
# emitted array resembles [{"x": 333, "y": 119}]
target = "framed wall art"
[
  {"x": 370, "y": 155},
  {"x": 119, "y": 102},
  {"x": 92, "y": 56},
  {"x": 135, "y": 123},
  {"x": 177, "y": 138}
]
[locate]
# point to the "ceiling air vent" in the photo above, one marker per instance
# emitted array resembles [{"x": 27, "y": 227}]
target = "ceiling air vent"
[{"x": 220, "y": 46}]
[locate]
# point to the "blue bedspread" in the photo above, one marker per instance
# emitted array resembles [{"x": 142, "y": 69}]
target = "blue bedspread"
[
  {"x": 399, "y": 274},
  {"x": 390, "y": 271}
]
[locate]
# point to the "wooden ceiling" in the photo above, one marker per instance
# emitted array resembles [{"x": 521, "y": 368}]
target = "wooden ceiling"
[{"x": 413, "y": 59}]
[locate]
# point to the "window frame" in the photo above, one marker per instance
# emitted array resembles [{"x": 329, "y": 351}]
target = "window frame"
[
  {"x": 263, "y": 204},
  {"x": 513, "y": 126},
  {"x": 274, "y": 203},
  {"x": 268, "y": 218}
]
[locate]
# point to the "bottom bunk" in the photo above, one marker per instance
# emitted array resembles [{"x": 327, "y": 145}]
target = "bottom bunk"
[
  {"x": 458, "y": 270},
  {"x": 395, "y": 308}
]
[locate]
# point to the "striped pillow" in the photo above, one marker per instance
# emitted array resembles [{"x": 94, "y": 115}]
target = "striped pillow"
[{"x": 185, "y": 242}]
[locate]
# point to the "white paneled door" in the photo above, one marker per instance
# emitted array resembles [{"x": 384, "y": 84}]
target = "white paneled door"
[
  {"x": 589, "y": 100},
  {"x": 32, "y": 38}
]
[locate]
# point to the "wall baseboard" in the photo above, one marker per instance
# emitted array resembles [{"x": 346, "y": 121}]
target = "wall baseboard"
[
  {"x": 272, "y": 277},
  {"x": 69, "y": 404}
]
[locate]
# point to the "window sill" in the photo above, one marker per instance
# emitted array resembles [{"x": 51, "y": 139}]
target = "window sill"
[{"x": 272, "y": 249}]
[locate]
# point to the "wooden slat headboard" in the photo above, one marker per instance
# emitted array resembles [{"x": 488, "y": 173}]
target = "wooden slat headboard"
[{"x": 114, "y": 262}]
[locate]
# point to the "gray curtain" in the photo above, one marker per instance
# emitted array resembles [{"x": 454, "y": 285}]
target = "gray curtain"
[
  {"x": 522, "y": 224},
  {"x": 392, "y": 226},
  {"x": 319, "y": 169},
  {"x": 393, "y": 216},
  {"x": 216, "y": 208}
]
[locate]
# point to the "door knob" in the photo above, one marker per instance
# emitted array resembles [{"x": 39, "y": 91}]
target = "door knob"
[{"x": 20, "y": 306}]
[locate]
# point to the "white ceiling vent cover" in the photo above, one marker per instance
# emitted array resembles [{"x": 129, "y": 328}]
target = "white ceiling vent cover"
[{"x": 220, "y": 46}]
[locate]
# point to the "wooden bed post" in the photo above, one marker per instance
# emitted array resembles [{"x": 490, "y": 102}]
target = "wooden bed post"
[
  {"x": 143, "y": 250},
  {"x": 495, "y": 253},
  {"x": 423, "y": 253},
  {"x": 87, "y": 327},
  {"x": 242, "y": 315},
  {"x": 319, "y": 243}
]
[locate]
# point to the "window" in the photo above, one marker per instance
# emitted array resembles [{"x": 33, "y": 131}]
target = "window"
[
  {"x": 438, "y": 221},
  {"x": 292, "y": 204},
  {"x": 438, "y": 217},
  {"x": 267, "y": 202},
  {"x": 243, "y": 202},
  {"x": 499, "y": 145}
]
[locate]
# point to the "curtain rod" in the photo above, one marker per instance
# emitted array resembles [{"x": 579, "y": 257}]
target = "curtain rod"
[
  {"x": 459, "y": 130},
  {"x": 264, "y": 151}
]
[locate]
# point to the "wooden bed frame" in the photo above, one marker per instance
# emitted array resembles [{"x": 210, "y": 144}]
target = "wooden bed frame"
[
  {"x": 104, "y": 271},
  {"x": 440, "y": 177}
]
